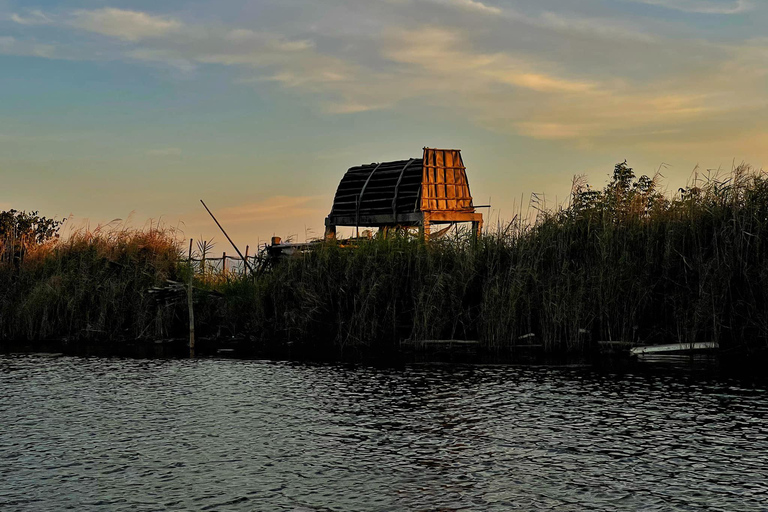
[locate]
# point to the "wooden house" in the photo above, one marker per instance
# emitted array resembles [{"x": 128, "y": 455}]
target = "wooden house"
[{"x": 419, "y": 192}]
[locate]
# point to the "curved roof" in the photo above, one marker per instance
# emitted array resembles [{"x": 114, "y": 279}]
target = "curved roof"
[
  {"x": 385, "y": 188},
  {"x": 435, "y": 182}
]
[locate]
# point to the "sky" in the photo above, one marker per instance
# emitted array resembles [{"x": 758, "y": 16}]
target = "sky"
[{"x": 136, "y": 110}]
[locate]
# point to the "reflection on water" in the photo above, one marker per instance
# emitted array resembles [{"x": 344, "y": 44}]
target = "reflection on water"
[{"x": 112, "y": 434}]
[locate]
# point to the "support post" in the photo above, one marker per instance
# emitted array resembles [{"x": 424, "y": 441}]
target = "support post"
[
  {"x": 330, "y": 232},
  {"x": 190, "y": 306},
  {"x": 224, "y": 263},
  {"x": 477, "y": 229},
  {"x": 425, "y": 226}
]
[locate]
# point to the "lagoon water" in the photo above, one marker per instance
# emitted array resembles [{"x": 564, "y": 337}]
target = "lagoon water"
[{"x": 135, "y": 435}]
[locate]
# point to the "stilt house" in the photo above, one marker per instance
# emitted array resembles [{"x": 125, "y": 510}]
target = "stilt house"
[{"x": 419, "y": 192}]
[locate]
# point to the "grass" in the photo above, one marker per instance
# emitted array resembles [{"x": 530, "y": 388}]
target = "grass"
[
  {"x": 622, "y": 263},
  {"x": 91, "y": 286}
]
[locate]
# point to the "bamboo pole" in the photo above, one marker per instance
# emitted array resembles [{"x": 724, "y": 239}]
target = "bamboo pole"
[{"x": 226, "y": 235}]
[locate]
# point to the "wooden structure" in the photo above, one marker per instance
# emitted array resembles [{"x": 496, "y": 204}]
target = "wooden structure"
[{"x": 418, "y": 192}]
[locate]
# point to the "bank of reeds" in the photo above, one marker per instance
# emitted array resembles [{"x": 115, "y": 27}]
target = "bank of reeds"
[
  {"x": 91, "y": 286},
  {"x": 624, "y": 263}
]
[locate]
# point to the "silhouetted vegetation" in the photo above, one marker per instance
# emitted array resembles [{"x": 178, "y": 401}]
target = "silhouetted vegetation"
[
  {"x": 625, "y": 262},
  {"x": 91, "y": 286},
  {"x": 21, "y": 230}
]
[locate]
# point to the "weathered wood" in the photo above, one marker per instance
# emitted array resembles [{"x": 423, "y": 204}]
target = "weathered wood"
[
  {"x": 411, "y": 219},
  {"x": 191, "y": 309},
  {"x": 417, "y": 192},
  {"x": 454, "y": 216},
  {"x": 675, "y": 347},
  {"x": 362, "y": 192}
]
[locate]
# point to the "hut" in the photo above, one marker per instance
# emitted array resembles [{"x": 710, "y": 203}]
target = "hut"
[{"x": 418, "y": 192}]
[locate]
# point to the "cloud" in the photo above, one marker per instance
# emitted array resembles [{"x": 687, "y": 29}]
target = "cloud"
[
  {"x": 534, "y": 76},
  {"x": 593, "y": 27},
  {"x": 283, "y": 215},
  {"x": 163, "y": 56},
  {"x": 291, "y": 62},
  {"x": 542, "y": 83},
  {"x": 35, "y": 17},
  {"x": 535, "y": 98},
  {"x": 123, "y": 24},
  {"x": 622, "y": 112},
  {"x": 469, "y": 5},
  {"x": 272, "y": 208},
  {"x": 447, "y": 54},
  {"x": 703, "y": 6},
  {"x": 11, "y": 46},
  {"x": 353, "y": 108},
  {"x": 554, "y": 130}
]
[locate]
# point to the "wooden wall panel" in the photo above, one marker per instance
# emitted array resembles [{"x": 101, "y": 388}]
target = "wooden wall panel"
[{"x": 444, "y": 181}]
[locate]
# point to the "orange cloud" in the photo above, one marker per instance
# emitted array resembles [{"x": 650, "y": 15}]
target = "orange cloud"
[{"x": 274, "y": 208}]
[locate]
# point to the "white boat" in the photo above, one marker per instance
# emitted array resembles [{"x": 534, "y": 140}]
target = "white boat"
[{"x": 674, "y": 348}]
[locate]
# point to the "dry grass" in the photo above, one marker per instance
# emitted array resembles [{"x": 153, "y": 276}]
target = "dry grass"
[{"x": 91, "y": 285}]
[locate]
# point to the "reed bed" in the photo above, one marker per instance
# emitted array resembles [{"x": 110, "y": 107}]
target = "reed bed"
[
  {"x": 625, "y": 263},
  {"x": 92, "y": 285},
  {"x": 622, "y": 263}
]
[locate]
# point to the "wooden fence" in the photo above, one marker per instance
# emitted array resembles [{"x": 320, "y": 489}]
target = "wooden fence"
[{"x": 226, "y": 264}]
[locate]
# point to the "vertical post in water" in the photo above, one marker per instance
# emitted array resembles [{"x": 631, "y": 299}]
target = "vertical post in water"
[
  {"x": 190, "y": 253},
  {"x": 245, "y": 260},
  {"x": 224, "y": 263},
  {"x": 191, "y": 315}
]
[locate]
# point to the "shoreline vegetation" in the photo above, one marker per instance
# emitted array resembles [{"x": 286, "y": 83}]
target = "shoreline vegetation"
[{"x": 625, "y": 263}]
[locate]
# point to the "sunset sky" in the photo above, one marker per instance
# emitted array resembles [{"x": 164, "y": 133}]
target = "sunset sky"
[{"x": 113, "y": 109}]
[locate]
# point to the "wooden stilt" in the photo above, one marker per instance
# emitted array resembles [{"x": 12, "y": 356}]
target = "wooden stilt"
[{"x": 190, "y": 306}]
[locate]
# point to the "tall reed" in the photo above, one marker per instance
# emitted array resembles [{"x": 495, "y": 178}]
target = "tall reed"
[
  {"x": 625, "y": 262},
  {"x": 92, "y": 285}
]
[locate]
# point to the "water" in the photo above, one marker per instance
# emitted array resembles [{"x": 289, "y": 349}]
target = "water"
[{"x": 114, "y": 434}]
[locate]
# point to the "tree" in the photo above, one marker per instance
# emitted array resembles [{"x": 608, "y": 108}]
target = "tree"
[
  {"x": 21, "y": 230},
  {"x": 622, "y": 198}
]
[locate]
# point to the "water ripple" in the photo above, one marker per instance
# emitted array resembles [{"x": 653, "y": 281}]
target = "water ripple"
[{"x": 113, "y": 434}]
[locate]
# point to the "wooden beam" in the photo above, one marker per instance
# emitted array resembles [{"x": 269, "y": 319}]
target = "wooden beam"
[
  {"x": 362, "y": 192},
  {"x": 405, "y": 219},
  {"x": 397, "y": 187},
  {"x": 437, "y": 217}
]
